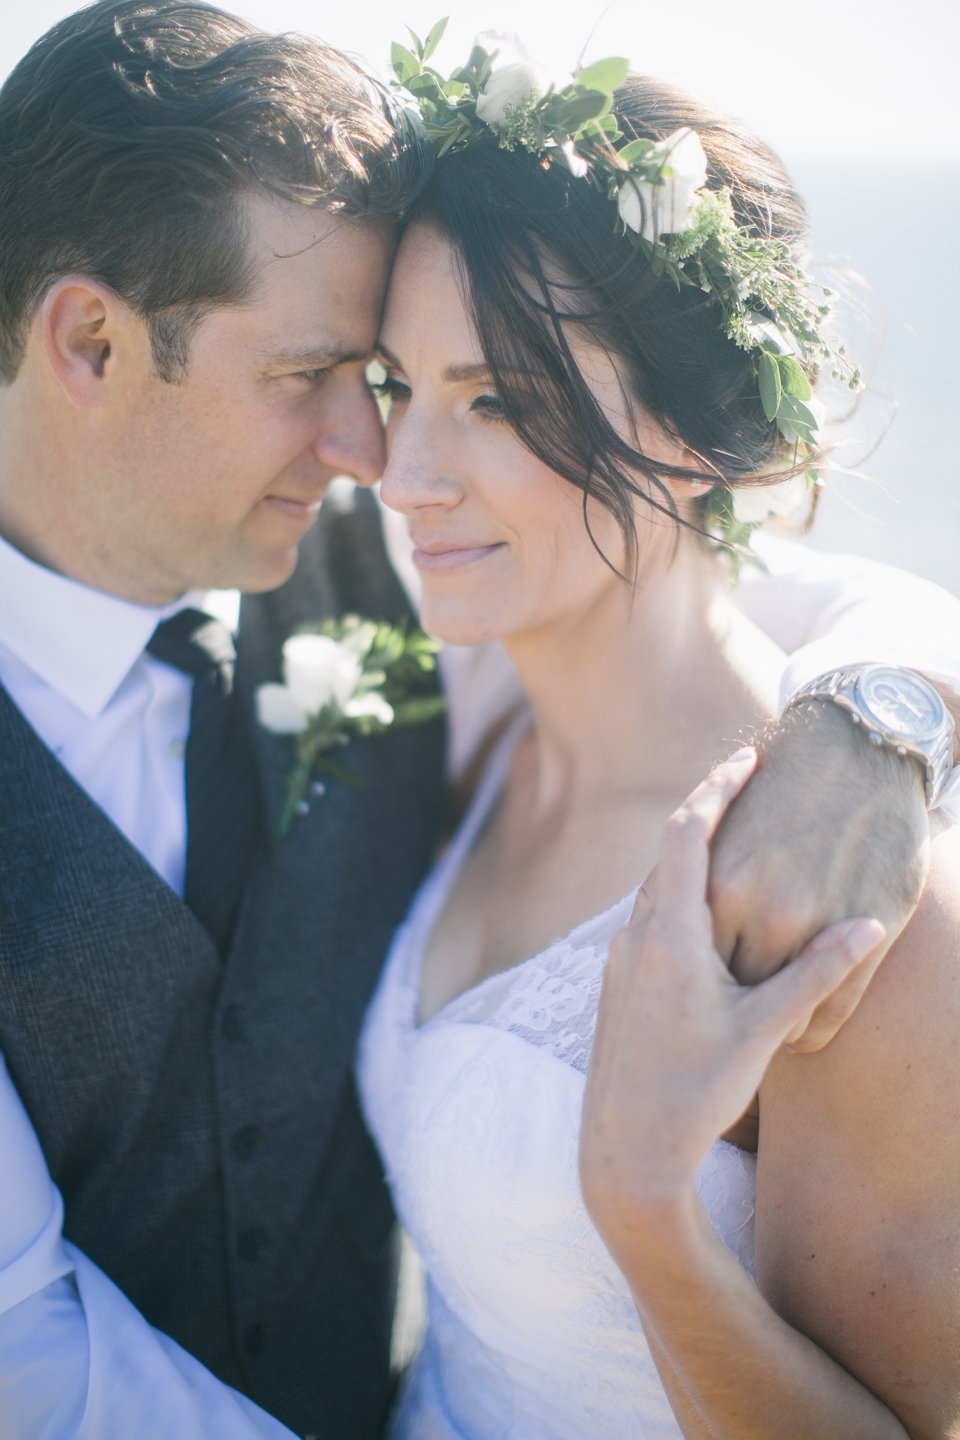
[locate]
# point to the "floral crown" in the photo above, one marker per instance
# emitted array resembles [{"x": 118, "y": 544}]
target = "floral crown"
[{"x": 657, "y": 188}]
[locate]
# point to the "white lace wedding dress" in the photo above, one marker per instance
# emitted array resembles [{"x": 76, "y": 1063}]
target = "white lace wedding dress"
[{"x": 532, "y": 1332}]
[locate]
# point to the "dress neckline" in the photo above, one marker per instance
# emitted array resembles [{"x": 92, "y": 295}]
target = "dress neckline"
[{"x": 437, "y": 893}]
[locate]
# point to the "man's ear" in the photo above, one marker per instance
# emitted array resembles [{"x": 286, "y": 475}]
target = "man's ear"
[{"x": 83, "y": 326}]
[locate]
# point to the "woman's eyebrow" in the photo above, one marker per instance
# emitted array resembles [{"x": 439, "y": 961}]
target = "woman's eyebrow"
[
  {"x": 453, "y": 374},
  {"x": 458, "y": 374}
]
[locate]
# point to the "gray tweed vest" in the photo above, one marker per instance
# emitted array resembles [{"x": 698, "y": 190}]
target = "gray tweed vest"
[{"x": 198, "y": 1115}]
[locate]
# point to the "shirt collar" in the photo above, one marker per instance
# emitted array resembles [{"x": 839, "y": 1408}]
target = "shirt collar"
[{"x": 82, "y": 642}]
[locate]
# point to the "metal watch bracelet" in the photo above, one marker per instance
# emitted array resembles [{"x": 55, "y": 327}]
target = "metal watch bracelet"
[{"x": 934, "y": 752}]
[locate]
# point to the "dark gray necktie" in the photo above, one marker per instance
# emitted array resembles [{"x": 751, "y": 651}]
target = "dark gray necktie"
[{"x": 223, "y": 793}]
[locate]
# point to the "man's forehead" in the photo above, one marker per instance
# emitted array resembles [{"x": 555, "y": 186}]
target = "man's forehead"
[
  {"x": 282, "y": 235},
  {"x": 318, "y": 282}
]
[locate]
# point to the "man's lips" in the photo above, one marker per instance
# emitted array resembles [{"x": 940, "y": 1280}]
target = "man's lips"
[
  {"x": 443, "y": 555},
  {"x": 302, "y": 511}
]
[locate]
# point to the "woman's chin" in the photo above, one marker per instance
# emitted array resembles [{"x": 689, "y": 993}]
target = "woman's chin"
[{"x": 461, "y": 624}]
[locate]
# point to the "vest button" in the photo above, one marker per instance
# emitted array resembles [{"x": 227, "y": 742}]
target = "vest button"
[
  {"x": 231, "y": 1022},
  {"x": 246, "y": 1142},
  {"x": 251, "y": 1243},
  {"x": 253, "y": 1338}
]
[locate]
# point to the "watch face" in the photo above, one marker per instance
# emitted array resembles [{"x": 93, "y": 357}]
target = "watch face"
[{"x": 900, "y": 702}]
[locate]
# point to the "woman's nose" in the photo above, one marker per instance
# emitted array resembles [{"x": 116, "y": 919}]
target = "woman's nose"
[{"x": 420, "y": 473}]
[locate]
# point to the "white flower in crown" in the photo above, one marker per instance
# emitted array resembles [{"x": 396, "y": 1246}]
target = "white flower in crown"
[
  {"x": 754, "y": 504},
  {"x": 516, "y": 77},
  {"x": 671, "y": 207}
]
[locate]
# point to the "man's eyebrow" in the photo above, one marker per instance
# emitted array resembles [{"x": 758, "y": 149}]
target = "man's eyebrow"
[
  {"x": 387, "y": 356},
  {"x": 318, "y": 359}
]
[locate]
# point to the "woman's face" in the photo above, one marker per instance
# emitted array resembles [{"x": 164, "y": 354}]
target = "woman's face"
[{"x": 500, "y": 538}]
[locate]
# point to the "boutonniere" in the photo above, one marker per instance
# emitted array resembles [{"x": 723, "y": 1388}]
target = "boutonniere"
[{"x": 344, "y": 678}]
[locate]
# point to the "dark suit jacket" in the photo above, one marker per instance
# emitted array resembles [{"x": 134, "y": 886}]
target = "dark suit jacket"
[{"x": 199, "y": 1115}]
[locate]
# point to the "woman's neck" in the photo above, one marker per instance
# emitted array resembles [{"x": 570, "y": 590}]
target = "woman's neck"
[{"x": 647, "y": 687}]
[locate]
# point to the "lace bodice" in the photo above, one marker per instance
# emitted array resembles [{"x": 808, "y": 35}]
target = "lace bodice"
[{"x": 532, "y": 1332}]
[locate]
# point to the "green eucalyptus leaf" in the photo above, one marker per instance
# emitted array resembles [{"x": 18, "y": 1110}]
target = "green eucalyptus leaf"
[
  {"x": 771, "y": 390},
  {"x": 576, "y": 112},
  {"x": 405, "y": 65},
  {"x": 448, "y": 143},
  {"x": 792, "y": 378},
  {"x": 607, "y": 124},
  {"x": 435, "y": 36},
  {"x": 606, "y": 75},
  {"x": 634, "y": 151},
  {"x": 417, "y": 42},
  {"x": 795, "y": 422},
  {"x": 798, "y": 413},
  {"x": 675, "y": 274},
  {"x": 424, "y": 86}
]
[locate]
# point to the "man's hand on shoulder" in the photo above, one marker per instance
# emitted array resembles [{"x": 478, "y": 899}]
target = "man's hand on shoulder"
[{"x": 829, "y": 828}]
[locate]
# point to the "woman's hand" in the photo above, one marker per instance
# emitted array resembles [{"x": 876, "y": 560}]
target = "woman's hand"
[
  {"x": 680, "y": 1046},
  {"x": 850, "y": 1327}
]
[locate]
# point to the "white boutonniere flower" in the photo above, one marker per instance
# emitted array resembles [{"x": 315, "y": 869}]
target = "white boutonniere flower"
[
  {"x": 670, "y": 207},
  {"x": 345, "y": 678}
]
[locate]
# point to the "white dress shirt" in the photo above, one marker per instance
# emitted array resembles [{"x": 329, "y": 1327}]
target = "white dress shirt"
[
  {"x": 77, "y": 1361},
  {"x": 72, "y": 659}
]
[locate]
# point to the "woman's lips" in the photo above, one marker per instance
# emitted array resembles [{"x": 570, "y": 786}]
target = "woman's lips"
[{"x": 442, "y": 557}]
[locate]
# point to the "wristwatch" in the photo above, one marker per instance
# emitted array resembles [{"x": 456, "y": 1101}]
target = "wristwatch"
[{"x": 896, "y": 708}]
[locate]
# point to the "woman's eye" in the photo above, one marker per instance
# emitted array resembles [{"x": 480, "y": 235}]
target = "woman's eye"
[
  {"x": 390, "y": 389},
  {"x": 489, "y": 406}
]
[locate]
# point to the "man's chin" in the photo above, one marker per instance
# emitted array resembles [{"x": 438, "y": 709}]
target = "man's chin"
[{"x": 254, "y": 572}]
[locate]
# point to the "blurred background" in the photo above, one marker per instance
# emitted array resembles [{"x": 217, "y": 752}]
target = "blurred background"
[{"x": 860, "y": 98}]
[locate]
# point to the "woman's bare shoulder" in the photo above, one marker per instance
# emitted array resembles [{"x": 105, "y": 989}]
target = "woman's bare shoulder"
[{"x": 858, "y": 1220}]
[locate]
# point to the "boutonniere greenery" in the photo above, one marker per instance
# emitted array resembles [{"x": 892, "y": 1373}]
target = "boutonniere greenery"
[{"x": 343, "y": 678}]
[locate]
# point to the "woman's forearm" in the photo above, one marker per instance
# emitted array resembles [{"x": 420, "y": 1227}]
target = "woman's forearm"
[{"x": 732, "y": 1368}]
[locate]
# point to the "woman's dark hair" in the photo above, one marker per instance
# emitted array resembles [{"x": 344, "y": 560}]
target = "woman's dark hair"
[
  {"x": 132, "y": 130},
  {"x": 539, "y": 257}
]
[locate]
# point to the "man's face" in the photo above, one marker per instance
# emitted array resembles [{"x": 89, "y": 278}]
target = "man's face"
[{"x": 212, "y": 481}]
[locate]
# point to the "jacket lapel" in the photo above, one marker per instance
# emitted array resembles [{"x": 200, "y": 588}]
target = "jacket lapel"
[{"x": 39, "y": 797}]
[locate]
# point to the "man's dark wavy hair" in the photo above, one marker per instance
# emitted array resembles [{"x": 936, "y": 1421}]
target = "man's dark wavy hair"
[{"x": 131, "y": 132}]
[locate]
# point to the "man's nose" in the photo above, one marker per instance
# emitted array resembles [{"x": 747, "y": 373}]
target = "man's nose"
[{"x": 351, "y": 439}]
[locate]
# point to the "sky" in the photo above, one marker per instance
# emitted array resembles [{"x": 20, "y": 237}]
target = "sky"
[{"x": 819, "y": 80}]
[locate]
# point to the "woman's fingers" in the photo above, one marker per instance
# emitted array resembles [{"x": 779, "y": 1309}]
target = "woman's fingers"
[
  {"x": 832, "y": 1014},
  {"x": 685, "y": 848},
  {"x": 788, "y": 999}
]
